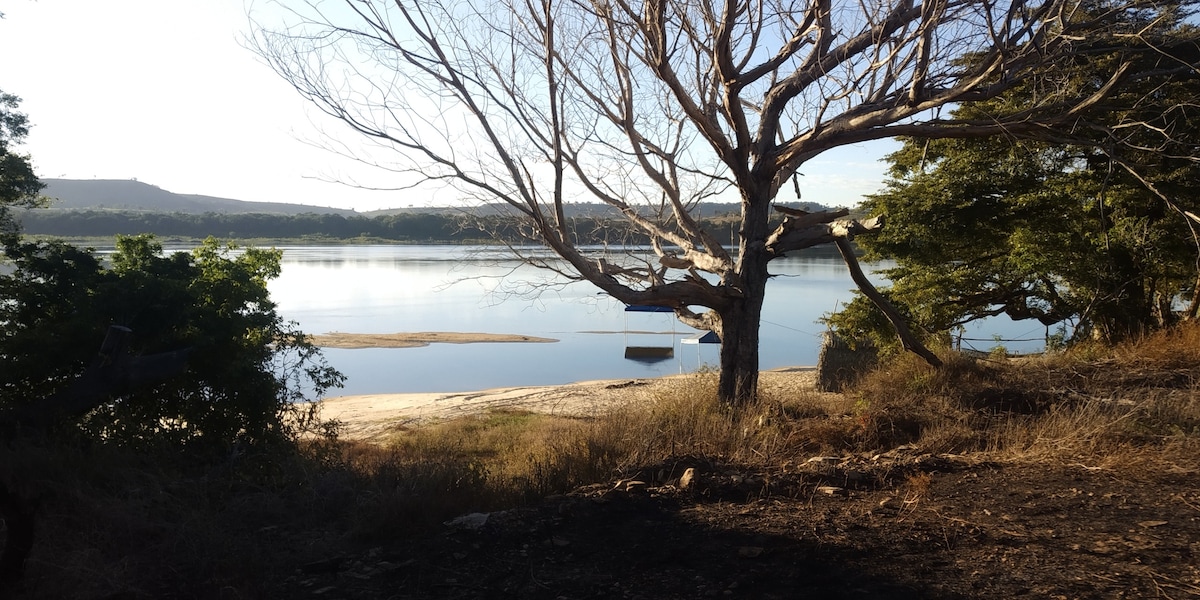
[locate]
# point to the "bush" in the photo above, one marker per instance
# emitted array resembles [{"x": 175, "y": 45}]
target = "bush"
[{"x": 246, "y": 370}]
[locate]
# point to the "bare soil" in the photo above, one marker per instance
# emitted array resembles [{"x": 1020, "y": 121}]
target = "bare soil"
[{"x": 900, "y": 525}]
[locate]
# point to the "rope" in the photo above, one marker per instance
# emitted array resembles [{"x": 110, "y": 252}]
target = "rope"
[{"x": 791, "y": 328}]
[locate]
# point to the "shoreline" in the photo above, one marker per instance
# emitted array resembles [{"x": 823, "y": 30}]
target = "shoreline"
[{"x": 372, "y": 417}]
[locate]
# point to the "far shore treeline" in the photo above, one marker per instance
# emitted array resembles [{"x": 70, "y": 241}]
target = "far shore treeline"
[{"x": 413, "y": 228}]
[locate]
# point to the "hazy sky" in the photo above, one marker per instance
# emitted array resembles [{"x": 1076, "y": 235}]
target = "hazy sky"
[{"x": 162, "y": 91}]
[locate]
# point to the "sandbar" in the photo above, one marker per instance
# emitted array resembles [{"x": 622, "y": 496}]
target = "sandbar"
[{"x": 415, "y": 339}]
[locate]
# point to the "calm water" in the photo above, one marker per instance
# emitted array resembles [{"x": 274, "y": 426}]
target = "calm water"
[{"x": 387, "y": 289}]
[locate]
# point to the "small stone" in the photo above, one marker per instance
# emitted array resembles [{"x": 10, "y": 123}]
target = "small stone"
[
  {"x": 687, "y": 479},
  {"x": 329, "y": 565},
  {"x": 470, "y": 521},
  {"x": 832, "y": 490},
  {"x": 628, "y": 485},
  {"x": 1152, "y": 523},
  {"x": 750, "y": 551}
]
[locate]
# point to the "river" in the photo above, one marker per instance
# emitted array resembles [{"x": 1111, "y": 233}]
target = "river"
[{"x": 388, "y": 289}]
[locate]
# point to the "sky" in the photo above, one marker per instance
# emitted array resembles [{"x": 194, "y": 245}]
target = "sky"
[{"x": 164, "y": 92}]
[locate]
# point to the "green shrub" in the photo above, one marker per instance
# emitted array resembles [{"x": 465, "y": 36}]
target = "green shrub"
[{"x": 246, "y": 370}]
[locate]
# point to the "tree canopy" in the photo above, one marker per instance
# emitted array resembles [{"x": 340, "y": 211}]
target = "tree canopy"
[
  {"x": 1089, "y": 227},
  {"x": 19, "y": 186},
  {"x": 664, "y": 103}
]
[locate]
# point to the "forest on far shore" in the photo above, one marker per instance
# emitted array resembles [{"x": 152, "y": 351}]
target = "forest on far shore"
[{"x": 414, "y": 228}]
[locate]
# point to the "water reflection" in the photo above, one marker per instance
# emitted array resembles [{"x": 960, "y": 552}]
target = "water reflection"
[{"x": 386, "y": 289}]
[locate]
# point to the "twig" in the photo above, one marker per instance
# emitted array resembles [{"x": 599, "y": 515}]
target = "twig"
[
  {"x": 1175, "y": 584},
  {"x": 1184, "y": 500}
]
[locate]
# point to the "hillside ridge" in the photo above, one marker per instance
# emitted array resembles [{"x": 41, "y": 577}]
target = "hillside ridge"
[{"x": 133, "y": 195}]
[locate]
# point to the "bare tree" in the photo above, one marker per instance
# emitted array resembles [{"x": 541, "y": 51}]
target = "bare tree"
[{"x": 651, "y": 106}]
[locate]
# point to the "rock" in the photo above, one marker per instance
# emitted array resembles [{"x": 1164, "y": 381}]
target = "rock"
[
  {"x": 630, "y": 485},
  {"x": 750, "y": 551},
  {"x": 469, "y": 522},
  {"x": 841, "y": 364},
  {"x": 824, "y": 461},
  {"x": 687, "y": 479},
  {"x": 635, "y": 486},
  {"x": 832, "y": 490},
  {"x": 328, "y": 565}
]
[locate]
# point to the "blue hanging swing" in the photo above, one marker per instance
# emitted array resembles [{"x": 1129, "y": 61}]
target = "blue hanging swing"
[{"x": 649, "y": 346}]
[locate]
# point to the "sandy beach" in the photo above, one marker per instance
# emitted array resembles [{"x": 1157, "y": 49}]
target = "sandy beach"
[{"x": 373, "y": 416}]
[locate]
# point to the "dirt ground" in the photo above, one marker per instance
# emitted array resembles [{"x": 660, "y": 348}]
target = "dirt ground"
[
  {"x": 901, "y": 525},
  {"x": 904, "y": 524}
]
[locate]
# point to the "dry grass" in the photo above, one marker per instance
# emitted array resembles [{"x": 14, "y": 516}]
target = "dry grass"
[
  {"x": 113, "y": 521},
  {"x": 426, "y": 475},
  {"x": 1134, "y": 405},
  {"x": 1130, "y": 405}
]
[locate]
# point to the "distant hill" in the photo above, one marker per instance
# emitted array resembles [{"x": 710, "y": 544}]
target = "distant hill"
[
  {"x": 129, "y": 195},
  {"x": 583, "y": 209}
]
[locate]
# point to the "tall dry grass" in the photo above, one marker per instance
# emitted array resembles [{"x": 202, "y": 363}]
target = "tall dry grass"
[{"x": 1110, "y": 406}]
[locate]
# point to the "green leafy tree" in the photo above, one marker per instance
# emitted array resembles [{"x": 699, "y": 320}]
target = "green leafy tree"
[
  {"x": 247, "y": 371},
  {"x": 1050, "y": 232},
  {"x": 19, "y": 186}
]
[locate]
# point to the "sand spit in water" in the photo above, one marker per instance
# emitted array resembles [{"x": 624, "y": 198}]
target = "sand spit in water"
[{"x": 415, "y": 339}]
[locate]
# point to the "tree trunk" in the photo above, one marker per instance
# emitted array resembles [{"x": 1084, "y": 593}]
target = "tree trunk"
[
  {"x": 738, "y": 385},
  {"x": 18, "y": 544},
  {"x": 1193, "y": 309},
  {"x": 739, "y": 333}
]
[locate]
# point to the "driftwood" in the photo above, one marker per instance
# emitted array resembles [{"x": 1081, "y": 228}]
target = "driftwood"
[{"x": 113, "y": 371}]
